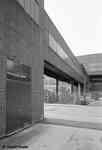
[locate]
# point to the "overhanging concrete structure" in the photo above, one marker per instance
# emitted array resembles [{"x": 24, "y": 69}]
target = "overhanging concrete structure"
[
  {"x": 92, "y": 63},
  {"x": 57, "y": 51}
]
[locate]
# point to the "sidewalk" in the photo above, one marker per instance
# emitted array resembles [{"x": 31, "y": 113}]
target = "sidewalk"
[
  {"x": 54, "y": 137},
  {"x": 58, "y": 135}
]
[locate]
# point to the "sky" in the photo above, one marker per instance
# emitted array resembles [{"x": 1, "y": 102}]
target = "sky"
[{"x": 79, "y": 22}]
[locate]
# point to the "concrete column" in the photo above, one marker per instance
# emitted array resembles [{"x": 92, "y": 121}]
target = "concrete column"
[
  {"x": 79, "y": 93},
  {"x": 72, "y": 87},
  {"x": 79, "y": 90},
  {"x": 74, "y": 92},
  {"x": 84, "y": 91},
  {"x": 76, "y": 95},
  {"x": 57, "y": 83},
  {"x": 37, "y": 78},
  {"x": 2, "y": 96},
  {"x": 41, "y": 2}
]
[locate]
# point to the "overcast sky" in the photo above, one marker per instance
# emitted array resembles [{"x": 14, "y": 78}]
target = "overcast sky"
[{"x": 79, "y": 22}]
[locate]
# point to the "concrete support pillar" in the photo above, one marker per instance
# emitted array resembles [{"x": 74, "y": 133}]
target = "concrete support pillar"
[
  {"x": 73, "y": 91},
  {"x": 41, "y": 2},
  {"x": 72, "y": 87},
  {"x": 3, "y": 112},
  {"x": 79, "y": 90},
  {"x": 37, "y": 78},
  {"x": 79, "y": 93},
  {"x": 84, "y": 91},
  {"x": 57, "y": 84},
  {"x": 76, "y": 95}
]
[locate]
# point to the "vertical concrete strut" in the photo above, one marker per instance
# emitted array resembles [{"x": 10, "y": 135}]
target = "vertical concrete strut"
[{"x": 57, "y": 83}]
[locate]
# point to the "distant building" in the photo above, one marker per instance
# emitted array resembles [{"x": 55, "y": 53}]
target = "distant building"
[{"x": 93, "y": 66}]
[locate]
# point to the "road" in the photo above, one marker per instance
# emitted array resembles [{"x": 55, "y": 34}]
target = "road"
[{"x": 74, "y": 115}]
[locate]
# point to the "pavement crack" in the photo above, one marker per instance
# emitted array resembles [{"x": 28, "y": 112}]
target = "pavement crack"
[{"x": 71, "y": 138}]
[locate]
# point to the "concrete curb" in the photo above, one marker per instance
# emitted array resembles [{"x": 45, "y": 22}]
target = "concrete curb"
[{"x": 77, "y": 124}]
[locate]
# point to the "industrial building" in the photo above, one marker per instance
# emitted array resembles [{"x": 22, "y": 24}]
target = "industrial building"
[
  {"x": 93, "y": 65},
  {"x": 31, "y": 47}
]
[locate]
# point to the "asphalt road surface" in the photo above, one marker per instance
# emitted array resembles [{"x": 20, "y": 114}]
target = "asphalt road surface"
[{"x": 74, "y": 115}]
